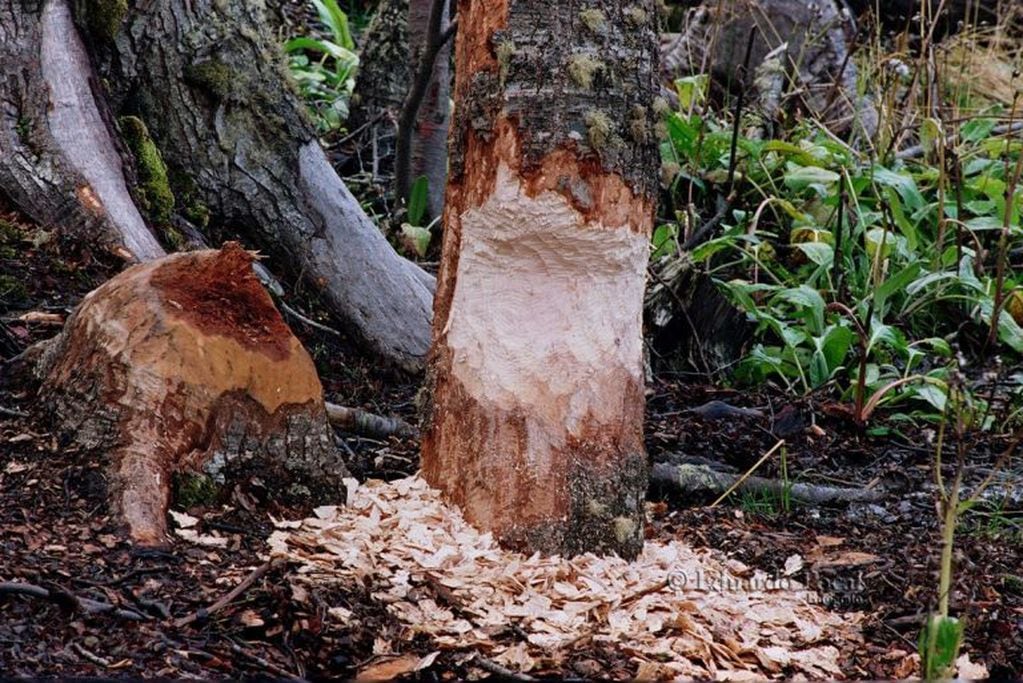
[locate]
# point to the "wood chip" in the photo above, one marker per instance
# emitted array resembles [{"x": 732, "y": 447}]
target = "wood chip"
[{"x": 400, "y": 537}]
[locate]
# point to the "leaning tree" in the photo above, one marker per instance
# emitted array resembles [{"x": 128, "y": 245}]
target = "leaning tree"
[
  {"x": 136, "y": 122},
  {"x": 536, "y": 373}
]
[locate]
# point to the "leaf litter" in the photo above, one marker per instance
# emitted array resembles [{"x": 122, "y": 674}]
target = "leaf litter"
[{"x": 676, "y": 611}]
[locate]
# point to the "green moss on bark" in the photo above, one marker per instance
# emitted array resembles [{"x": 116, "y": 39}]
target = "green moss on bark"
[
  {"x": 583, "y": 69},
  {"x": 212, "y": 76},
  {"x": 191, "y": 490},
  {"x": 154, "y": 188},
  {"x": 105, "y": 17}
]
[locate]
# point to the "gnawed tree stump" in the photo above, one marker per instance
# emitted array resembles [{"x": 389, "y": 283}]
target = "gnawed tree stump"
[{"x": 184, "y": 365}]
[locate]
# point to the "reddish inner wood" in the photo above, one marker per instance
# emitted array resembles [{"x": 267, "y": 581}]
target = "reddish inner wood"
[{"x": 222, "y": 296}]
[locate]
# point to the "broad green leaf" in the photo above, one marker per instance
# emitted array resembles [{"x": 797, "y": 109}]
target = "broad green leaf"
[
  {"x": 985, "y": 223},
  {"x": 835, "y": 346},
  {"x": 896, "y": 283},
  {"x": 978, "y": 128},
  {"x": 902, "y": 183},
  {"x": 322, "y": 46},
  {"x": 931, "y": 133},
  {"x": 926, "y": 281},
  {"x": 933, "y": 395},
  {"x": 899, "y": 215},
  {"x": 799, "y": 178},
  {"x": 818, "y": 252},
  {"x": 874, "y": 239},
  {"x": 809, "y": 300},
  {"x": 939, "y": 645},
  {"x": 416, "y": 239},
  {"x": 417, "y": 200},
  {"x": 336, "y": 21},
  {"x": 692, "y": 90}
]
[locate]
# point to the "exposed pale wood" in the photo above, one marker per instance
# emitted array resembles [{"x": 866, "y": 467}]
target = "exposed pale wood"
[
  {"x": 536, "y": 376},
  {"x": 184, "y": 365}
]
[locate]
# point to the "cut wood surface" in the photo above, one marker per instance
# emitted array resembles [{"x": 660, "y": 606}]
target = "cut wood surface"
[
  {"x": 535, "y": 427},
  {"x": 184, "y": 365}
]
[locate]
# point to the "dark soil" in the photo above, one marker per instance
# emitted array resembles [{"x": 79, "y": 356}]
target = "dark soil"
[{"x": 55, "y": 531}]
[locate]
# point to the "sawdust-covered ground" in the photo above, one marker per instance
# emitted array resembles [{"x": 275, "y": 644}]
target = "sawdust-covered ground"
[{"x": 871, "y": 564}]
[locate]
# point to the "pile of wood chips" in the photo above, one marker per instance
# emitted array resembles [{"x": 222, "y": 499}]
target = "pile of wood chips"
[{"x": 444, "y": 578}]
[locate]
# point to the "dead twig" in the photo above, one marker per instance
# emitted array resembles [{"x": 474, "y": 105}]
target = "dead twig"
[
  {"x": 203, "y": 613},
  {"x": 308, "y": 321},
  {"x": 264, "y": 663},
  {"x": 11, "y": 412},
  {"x": 94, "y": 658},
  {"x": 498, "y": 670}
]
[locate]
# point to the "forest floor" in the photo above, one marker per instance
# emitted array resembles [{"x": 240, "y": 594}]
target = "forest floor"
[{"x": 879, "y": 558}]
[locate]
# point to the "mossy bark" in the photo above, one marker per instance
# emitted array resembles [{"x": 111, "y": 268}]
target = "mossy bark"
[
  {"x": 60, "y": 159},
  {"x": 534, "y": 425},
  {"x": 208, "y": 80}
]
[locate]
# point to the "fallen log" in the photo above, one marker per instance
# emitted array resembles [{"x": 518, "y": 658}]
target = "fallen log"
[
  {"x": 702, "y": 480},
  {"x": 183, "y": 365}
]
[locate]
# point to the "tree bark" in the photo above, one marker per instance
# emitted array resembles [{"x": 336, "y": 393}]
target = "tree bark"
[
  {"x": 230, "y": 124},
  {"x": 385, "y": 74},
  {"x": 536, "y": 373},
  {"x": 183, "y": 365},
  {"x": 206, "y": 80},
  {"x": 59, "y": 162},
  {"x": 429, "y": 153}
]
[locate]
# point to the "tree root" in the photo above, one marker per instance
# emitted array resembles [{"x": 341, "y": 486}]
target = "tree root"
[{"x": 70, "y": 600}]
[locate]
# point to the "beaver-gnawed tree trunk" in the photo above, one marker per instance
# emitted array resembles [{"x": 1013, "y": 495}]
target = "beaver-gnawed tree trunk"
[
  {"x": 536, "y": 374},
  {"x": 183, "y": 366},
  {"x": 206, "y": 80}
]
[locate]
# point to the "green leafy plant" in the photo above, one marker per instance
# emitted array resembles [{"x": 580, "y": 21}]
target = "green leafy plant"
[
  {"x": 942, "y": 634},
  {"x": 324, "y": 68},
  {"x": 857, "y": 273},
  {"x": 416, "y": 237}
]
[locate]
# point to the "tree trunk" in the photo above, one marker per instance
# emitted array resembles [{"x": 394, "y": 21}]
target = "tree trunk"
[
  {"x": 385, "y": 74},
  {"x": 183, "y": 365},
  {"x": 536, "y": 373},
  {"x": 205, "y": 79},
  {"x": 430, "y": 138},
  {"x": 815, "y": 56},
  {"x": 59, "y": 162},
  {"x": 393, "y": 46},
  {"x": 230, "y": 124}
]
